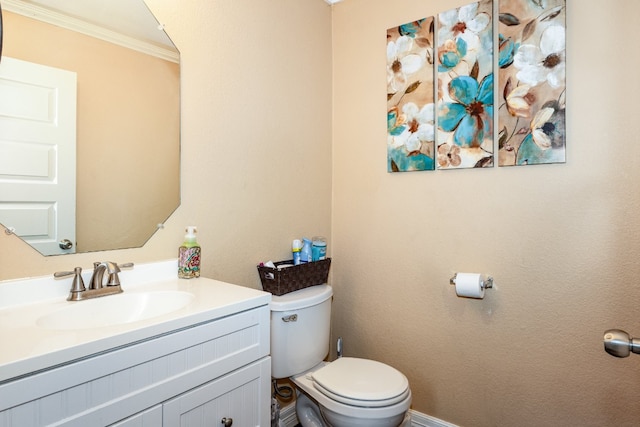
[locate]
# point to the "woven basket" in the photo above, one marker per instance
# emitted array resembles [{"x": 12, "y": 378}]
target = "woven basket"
[{"x": 289, "y": 279}]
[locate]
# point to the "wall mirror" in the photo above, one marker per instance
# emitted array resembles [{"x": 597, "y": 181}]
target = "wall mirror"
[{"x": 122, "y": 174}]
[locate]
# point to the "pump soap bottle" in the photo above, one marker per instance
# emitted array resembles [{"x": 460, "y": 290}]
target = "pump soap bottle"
[{"x": 189, "y": 255}]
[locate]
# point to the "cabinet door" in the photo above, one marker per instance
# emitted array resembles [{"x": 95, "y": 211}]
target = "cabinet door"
[{"x": 241, "y": 396}]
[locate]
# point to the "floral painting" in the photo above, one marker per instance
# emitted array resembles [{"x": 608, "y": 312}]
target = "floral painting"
[
  {"x": 410, "y": 99},
  {"x": 465, "y": 86},
  {"x": 531, "y": 88}
]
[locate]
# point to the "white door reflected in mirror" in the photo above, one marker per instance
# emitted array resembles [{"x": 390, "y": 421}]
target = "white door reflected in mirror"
[{"x": 38, "y": 154}]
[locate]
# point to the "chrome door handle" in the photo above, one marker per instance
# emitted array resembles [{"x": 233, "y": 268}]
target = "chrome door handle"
[
  {"x": 65, "y": 244},
  {"x": 618, "y": 343}
]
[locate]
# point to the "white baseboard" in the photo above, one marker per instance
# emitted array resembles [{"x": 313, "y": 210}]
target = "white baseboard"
[
  {"x": 288, "y": 415},
  {"x": 289, "y": 419},
  {"x": 422, "y": 420}
]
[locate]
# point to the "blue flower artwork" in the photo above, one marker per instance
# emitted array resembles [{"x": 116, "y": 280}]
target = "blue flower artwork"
[
  {"x": 410, "y": 97},
  {"x": 531, "y": 113},
  {"x": 442, "y": 99},
  {"x": 464, "y": 55},
  {"x": 470, "y": 116}
]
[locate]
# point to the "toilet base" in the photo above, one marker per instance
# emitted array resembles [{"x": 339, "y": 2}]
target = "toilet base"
[{"x": 308, "y": 412}]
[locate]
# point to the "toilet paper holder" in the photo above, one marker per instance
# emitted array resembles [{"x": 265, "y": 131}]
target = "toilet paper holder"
[{"x": 486, "y": 283}]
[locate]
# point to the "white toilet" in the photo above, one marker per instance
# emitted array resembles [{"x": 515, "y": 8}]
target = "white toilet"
[{"x": 348, "y": 392}]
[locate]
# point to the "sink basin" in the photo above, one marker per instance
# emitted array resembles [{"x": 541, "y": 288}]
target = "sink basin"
[{"x": 115, "y": 310}]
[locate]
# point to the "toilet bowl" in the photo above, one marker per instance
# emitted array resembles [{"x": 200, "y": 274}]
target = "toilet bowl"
[{"x": 348, "y": 392}]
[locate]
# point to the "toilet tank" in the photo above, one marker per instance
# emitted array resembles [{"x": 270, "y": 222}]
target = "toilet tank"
[{"x": 300, "y": 325}]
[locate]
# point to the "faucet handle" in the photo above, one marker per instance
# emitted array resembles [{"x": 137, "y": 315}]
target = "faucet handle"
[
  {"x": 113, "y": 269},
  {"x": 77, "y": 285},
  {"x": 114, "y": 279}
]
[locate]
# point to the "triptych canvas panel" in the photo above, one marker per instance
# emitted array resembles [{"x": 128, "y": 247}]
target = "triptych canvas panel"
[{"x": 450, "y": 81}]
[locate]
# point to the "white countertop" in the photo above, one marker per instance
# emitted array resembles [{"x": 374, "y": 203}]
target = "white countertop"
[{"x": 26, "y": 347}]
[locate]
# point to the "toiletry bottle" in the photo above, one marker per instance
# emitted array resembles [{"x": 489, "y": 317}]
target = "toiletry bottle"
[
  {"x": 318, "y": 248},
  {"x": 305, "y": 253},
  {"x": 296, "y": 247},
  {"x": 189, "y": 255}
]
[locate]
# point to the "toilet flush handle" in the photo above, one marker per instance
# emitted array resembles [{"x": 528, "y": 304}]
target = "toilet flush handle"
[{"x": 290, "y": 318}]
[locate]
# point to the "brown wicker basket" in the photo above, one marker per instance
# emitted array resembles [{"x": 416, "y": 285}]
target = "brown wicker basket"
[{"x": 289, "y": 279}]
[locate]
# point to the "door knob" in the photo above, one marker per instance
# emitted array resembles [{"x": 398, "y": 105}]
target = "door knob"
[
  {"x": 65, "y": 244},
  {"x": 620, "y": 344},
  {"x": 227, "y": 422}
]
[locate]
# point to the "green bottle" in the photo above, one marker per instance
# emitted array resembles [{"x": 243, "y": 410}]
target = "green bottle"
[{"x": 189, "y": 255}]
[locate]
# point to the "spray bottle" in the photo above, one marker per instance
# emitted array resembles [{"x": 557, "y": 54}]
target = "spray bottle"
[
  {"x": 296, "y": 247},
  {"x": 189, "y": 255}
]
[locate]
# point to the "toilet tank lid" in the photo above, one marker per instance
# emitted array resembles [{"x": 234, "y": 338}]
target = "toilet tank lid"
[{"x": 302, "y": 298}]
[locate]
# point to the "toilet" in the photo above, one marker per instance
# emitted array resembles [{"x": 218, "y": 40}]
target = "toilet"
[{"x": 348, "y": 392}]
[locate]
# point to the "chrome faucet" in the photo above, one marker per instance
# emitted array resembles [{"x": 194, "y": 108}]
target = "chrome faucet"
[{"x": 97, "y": 287}]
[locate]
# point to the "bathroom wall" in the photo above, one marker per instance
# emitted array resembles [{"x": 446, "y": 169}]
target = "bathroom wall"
[
  {"x": 256, "y": 139},
  {"x": 261, "y": 163},
  {"x": 562, "y": 241}
]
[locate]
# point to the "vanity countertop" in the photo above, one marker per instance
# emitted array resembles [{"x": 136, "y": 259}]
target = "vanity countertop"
[{"x": 27, "y": 347}]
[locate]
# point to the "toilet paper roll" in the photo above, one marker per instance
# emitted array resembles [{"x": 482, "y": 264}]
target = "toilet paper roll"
[{"x": 469, "y": 285}]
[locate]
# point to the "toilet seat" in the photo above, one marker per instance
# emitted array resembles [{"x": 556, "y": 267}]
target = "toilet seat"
[{"x": 361, "y": 382}]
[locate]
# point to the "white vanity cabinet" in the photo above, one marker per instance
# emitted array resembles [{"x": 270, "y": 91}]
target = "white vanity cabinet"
[{"x": 194, "y": 375}]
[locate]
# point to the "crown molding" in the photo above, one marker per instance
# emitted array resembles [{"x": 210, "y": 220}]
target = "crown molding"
[{"x": 78, "y": 25}]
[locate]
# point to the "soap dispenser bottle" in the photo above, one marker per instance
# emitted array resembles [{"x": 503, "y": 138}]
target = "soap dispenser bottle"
[{"x": 189, "y": 255}]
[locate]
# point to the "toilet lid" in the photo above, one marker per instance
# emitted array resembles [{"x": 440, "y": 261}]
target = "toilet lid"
[{"x": 361, "y": 382}]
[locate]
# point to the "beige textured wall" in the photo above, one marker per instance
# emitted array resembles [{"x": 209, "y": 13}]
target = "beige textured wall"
[
  {"x": 562, "y": 241},
  {"x": 256, "y": 138}
]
